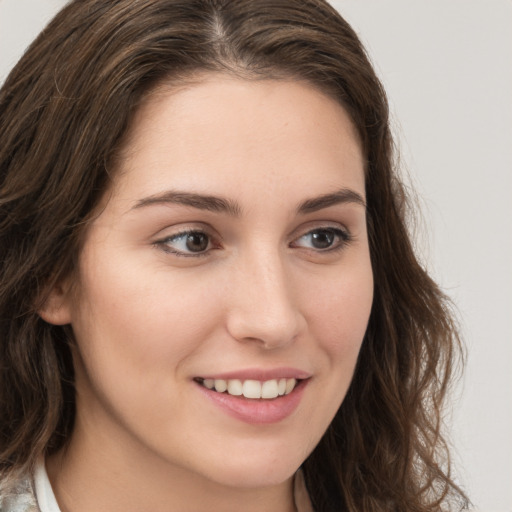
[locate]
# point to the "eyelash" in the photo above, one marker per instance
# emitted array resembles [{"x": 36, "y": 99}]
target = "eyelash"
[
  {"x": 164, "y": 243},
  {"x": 344, "y": 238}
]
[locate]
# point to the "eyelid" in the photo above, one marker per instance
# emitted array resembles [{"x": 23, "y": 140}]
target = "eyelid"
[
  {"x": 317, "y": 225},
  {"x": 162, "y": 242},
  {"x": 341, "y": 231}
]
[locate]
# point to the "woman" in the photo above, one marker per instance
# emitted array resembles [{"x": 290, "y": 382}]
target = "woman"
[{"x": 209, "y": 298}]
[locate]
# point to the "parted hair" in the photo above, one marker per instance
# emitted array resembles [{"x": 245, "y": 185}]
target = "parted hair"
[{"x": 64, "y": 110}]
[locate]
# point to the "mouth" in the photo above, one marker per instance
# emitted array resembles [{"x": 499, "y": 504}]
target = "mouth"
[
  {"x": 256, "y": 396},
  {"x": 252, "y": 389}
]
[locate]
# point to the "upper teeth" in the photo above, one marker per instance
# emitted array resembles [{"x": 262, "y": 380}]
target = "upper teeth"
[{"x": 252, "y": 388}]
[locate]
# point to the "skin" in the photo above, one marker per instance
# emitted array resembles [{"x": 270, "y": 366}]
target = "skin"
[{"x": 262, "y": 295}]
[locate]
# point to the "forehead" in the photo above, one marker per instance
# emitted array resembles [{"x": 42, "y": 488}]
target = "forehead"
[{"x": 222, "y": 130}]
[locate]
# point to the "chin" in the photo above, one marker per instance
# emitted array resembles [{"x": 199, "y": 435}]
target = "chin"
[
  {"x": 249, "y": 477},
  {"x": 257, "y": 470}
]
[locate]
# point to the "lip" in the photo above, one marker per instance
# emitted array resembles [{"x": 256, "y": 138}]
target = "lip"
[
  {"x": 256, "y": 411},
  {"x": 261, "y": 374}
]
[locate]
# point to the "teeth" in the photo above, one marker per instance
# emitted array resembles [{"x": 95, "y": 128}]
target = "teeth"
[
  {"x": 269, "y": 389},
  {"x": 209, "y": 383},
  {"x": 235, "y": 387},
  {"x": 281, "y": 387},
  {"x": 252, "y": 388},
  {"x": 290, "y": 384},
  {"x": 221, "y": 385}
]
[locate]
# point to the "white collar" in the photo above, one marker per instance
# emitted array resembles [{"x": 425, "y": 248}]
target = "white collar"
[{"x": 44, "y": 492}]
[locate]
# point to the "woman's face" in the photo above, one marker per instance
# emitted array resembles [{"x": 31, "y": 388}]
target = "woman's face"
[{"x": 232, "y": 251}]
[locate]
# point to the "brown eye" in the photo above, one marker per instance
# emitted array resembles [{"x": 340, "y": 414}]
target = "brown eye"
[
  {"x": 188, "y": 243},
  {"x": 197, "y": 242},
  {"x": 323, "y": 239}
]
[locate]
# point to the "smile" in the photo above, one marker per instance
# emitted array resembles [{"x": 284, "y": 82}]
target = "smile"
[
  {"x": 254, "y": 389},
  {"x": 257, "y": 396}
]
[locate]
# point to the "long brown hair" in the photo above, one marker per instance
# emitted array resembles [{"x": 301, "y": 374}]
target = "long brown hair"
[{"x": 63, "y": 112}]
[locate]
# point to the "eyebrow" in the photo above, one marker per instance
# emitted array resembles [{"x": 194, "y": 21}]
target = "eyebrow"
[
  {"x": 199, "y": 201},
  {"x": 341, "y": 196},
  {"x": 221, "y": 205}
]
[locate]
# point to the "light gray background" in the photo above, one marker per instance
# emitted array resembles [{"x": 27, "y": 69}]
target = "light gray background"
[{"x": 447, "y": 67}]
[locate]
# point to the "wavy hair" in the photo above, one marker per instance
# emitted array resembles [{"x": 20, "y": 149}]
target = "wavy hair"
[{"x": 63, "y": 112}]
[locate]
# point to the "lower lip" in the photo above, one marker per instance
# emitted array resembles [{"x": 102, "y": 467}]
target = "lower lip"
[{"x": 257, "y": 412}]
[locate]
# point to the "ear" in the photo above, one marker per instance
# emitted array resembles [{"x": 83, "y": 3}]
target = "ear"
[{"x": 56, "y": 308}]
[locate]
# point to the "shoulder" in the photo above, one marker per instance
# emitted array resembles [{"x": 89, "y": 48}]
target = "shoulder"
[{"x": 19, "y": 498}]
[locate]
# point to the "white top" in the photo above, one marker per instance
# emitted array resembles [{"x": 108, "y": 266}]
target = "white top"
[{"x": 44, "y": 492}]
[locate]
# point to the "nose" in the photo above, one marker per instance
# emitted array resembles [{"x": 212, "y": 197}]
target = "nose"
[{"x": 263, "y": 306}]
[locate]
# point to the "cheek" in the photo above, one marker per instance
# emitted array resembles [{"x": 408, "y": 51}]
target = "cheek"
[
  {"x": 140, "y": 319},
  {"x": 338, "y": 318},
  {"x": 339, "y": 313},
  {"x": 136, "y": 333}
]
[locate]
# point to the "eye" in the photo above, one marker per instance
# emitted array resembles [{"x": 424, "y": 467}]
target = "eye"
[
  {"x": 187, "y": 243},
  {"x": 323, "y": 239}
]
